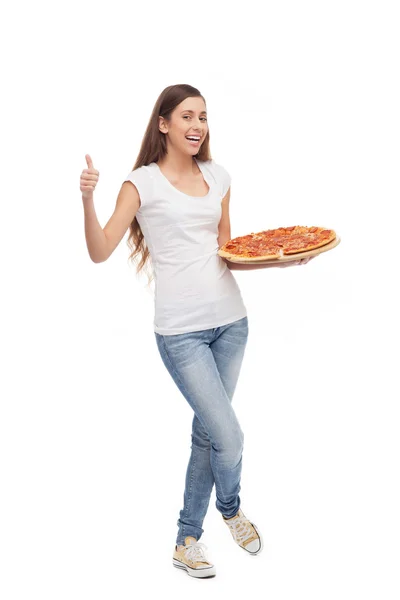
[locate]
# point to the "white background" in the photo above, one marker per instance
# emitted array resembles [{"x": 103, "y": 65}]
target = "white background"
[{"x": 303, "y": 106}]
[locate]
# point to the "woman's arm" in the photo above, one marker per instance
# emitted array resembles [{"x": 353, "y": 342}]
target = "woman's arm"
[{"x": 224, "y": 235}]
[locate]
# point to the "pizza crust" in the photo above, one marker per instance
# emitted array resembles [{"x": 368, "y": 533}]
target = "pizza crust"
[
  {"x": 278, "y": 243},
  {"x": 271, "y": 255}
]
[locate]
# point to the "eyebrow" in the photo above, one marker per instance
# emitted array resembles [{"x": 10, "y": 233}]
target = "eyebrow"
[{"x": 191, "y": 111}]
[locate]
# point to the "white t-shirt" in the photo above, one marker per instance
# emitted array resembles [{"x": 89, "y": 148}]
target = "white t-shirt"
[{"x": 194, "y": 288}]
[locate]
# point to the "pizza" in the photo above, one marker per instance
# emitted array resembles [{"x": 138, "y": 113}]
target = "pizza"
[{"x": 276, "y": 243}]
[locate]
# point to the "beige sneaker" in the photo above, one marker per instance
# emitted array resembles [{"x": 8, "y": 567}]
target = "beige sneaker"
[
  {"x": 245, "y": 533},
  {"x": 192, "y": 558}
]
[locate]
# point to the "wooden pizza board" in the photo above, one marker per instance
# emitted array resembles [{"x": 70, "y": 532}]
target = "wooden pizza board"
[{"x": 287, "y": 257}]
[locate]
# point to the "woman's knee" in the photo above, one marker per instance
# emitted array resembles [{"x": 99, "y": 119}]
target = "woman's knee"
[
  {"x": 229, "y": 444},
  {"x": 226, "y": 440},
  {"x": 230, "y": 447}
]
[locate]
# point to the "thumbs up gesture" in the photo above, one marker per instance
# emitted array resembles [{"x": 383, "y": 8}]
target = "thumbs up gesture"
[{"x": 89, "y": 179}]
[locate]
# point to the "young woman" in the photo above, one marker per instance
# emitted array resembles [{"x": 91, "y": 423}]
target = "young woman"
[{"x": 176, "y": 203}]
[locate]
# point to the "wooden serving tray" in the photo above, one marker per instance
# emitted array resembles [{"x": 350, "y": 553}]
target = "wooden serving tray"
[{"x": 287, "y": 257}]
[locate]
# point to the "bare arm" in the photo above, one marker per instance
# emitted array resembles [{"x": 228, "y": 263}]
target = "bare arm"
[
  {"x": 224, "y": 235},
  {"x": 100, "y": 242},
  {"x": 95, "y": 237}
]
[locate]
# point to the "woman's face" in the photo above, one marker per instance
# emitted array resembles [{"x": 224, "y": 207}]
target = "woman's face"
[{"x": 188, "y": 119}]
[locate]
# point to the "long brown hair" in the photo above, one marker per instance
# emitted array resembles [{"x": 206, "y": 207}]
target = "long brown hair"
[{"x": 154, "y": 148}]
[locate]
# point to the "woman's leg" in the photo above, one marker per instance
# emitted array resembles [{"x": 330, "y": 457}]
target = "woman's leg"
[
  {"x": 228, "y": 347},
  {"x": 205, "y": 366}
]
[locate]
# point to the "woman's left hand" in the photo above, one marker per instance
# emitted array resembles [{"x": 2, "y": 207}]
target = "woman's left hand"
[{"x": 290, "y": 263}]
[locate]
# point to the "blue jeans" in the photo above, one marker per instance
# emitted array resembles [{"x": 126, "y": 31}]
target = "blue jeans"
[{"x": 205, "y": 366}]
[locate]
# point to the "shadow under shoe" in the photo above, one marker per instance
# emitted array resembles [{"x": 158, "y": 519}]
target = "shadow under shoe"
[
  {"x": 245, "y": 533},
  {"x": 192, "y": 559}
]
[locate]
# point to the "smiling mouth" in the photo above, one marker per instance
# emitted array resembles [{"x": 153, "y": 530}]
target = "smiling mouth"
[{"x": 194, "y": 142}]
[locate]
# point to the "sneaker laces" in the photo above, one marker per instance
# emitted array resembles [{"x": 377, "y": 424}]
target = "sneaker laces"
[
  {"x": 241, "y": 529},
  {"x": 196, "y": 552}
]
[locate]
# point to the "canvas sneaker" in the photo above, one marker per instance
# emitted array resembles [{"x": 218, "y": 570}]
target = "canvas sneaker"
[
  {"x": 245, "y": 533},
  {"x": 192, "y": 559}
]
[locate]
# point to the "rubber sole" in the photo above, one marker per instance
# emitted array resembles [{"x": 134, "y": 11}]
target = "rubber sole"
[
  {"x": 261, "y": 543},
  {"x": 203, "y": 573}
]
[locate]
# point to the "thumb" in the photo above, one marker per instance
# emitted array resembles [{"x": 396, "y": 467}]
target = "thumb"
[{"x": 89, "y": 161}]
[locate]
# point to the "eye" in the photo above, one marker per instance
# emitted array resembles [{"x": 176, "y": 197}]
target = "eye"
[{"x": 205, "y": 119}]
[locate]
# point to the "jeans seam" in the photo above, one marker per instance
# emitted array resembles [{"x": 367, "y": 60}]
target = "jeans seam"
[
  {"x": 190, "y": 490},
  {"x": 192, "y": 468}
]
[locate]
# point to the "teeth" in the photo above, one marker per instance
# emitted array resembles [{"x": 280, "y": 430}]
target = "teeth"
[{"x": 192, "y": 138}]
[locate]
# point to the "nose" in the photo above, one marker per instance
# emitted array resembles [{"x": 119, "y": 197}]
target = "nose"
[{"x": 201, "y": 128}]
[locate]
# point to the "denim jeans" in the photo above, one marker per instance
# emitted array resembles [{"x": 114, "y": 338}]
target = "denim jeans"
[{"x": 205, "y": 366}]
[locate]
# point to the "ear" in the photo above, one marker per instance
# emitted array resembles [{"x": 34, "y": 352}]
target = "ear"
[{"x": 162, "y": 125}]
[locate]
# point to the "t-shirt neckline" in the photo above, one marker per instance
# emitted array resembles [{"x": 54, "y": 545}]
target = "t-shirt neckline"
[{"x": 179, "y": 191}]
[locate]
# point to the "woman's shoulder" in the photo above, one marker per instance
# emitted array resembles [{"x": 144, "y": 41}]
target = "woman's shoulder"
[
  {"x": 217, "y": 169},
  {"x": 142, "y": 178},
  {"x": 220, "y": 174},
  {"x": 211, "y": 165}
]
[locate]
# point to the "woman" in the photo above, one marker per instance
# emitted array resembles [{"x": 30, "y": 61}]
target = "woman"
[{"x": 176, "y": 203}]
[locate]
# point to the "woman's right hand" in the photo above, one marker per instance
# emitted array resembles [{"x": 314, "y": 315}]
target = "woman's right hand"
[{"x": 89, "y": 179}]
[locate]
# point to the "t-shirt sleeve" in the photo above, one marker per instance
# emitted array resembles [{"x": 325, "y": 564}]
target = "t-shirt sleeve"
[
  {"x": 142, "y": 180},
  {"x": 223, "y": 177}
]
